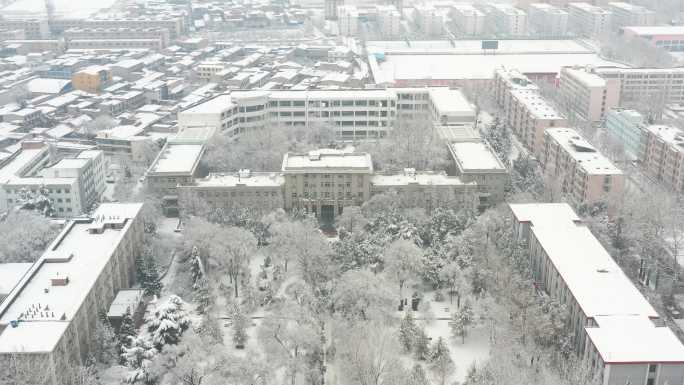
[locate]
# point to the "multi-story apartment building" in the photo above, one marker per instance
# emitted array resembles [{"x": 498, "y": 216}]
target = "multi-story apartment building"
[
  {"x": 616, "y": 332},
  {"x": 34, "y": 29},
  {"x": 348, "y": 20},
  {"x": 353, "y": 114},
  {"x": 72, "y": 184},
  {"x": 429, "y": 19},
  {"x": 588, "y": 20},
  {"x": 578, "y": 170},
  {"x": 626, "y": 128},
  {"x": 649, "y": 86},
  {"x": 545, "y": 20},
  {"x": 586, "y": 95},
  {"x": 626, "y": 14},
  {"x": 174, "y": 24},
  {"x": 389, "y": 21},
  {"x": 662, "y": 156},
  {"x": 48, "y": 319},
  {"x": 92, "y": 79},
  {"x": 475, "y": 161},
  {"x": 510, "y": 21},
  {"x": 161, "y": 35},
  {"x": 469, "y": 20},
  {"x": 526, "y": 111}
]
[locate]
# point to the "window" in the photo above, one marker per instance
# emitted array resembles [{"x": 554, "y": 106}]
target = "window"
[
  {"x": 67, "y": 191},
  {"x": 68, "y": 200}
]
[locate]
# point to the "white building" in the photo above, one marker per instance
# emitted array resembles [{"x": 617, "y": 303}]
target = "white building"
[
  {"x": 510, "y": 21},
  {"x": 353, "y": 114},
  {"x": 589, "y": 20},
  {"x": 469, "y": 20},
  {"x": 547, "y": 21},
  {"x": 626, "y": 128},
  {"x": 389, "y": 21},
  {"x": 72, "y": 185},
  {"x": 616, "y": 331},
  {"x": 628, "y": 15},
  {"x": 475, "y": 161},
  {"x": 48, "y": 320}
]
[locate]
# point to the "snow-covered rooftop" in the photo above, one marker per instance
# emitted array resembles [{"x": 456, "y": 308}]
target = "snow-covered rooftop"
[
  {"x": 673, "y": 136},
  {"x": 586, "y": 155},
  {"x": 10, "y": 275},
  {"x": 21, "y": 162},
  {"x": 77, "y": 254},
  {"x": 417, "y": 178},
  {"x": 326, "y": 160},
  {"x": 601, "y": 289},
  {"x": 242, "y": 178},
  {"x": 476, "y": 156},
  {"x": 178, "y": 159},
  {"x": 536, "y": 104}
]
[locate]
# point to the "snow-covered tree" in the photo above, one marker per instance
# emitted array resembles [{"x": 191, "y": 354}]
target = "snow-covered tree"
[
  {"x": 167, "y": 322},
  {"x": 359, "y": 294},
  {"x": 408, "y": 331},
  {"x": 239, "y": 325},
  {"x": 202, "y": 296},
  {"x": 152, "y": 281},
  {"x": 25, "y": 235},
  {"x": 441, "y": 362},
  {"x": 369, "y": 355},
  {"x": 105, "y": 342},
  {"x": 454, "y": 280},
  {"x": 138, "y": 356},
  {"x": 231, "y": 251},
  {"x": 499, "y": 137},
  {"x": 421, "y": 345},
  {"x": 461, "y": 321},
  {"x": 402, "y": 260},
  {"x": 37, "y": 200},
  {"x": 417, "y": 376},
  {"x": 126, "y": 330}
]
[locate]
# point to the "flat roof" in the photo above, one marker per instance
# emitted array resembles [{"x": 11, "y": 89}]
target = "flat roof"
[
  {"x": 19, "y": 162},
  {"x": 474, "y": 47},
  {"x": 251, "y": 179},
  {"x": 178, "y": 159},
  {"x": 77, "y": 254},
  {"x": 657, "y": 30},
  {"x": 587, "y": 156},
  {"x": 476, "y": 156},
  {"x": 450, "y": 102},
  {"x": 416, "y": 178},
  {"x": 600, "y": 287},
  {"x": 587, "y": 78},
  {"x": 326, "y": 160},
  {"x": 536, "y": 104},
  {"x": 673, "y": 136},
  {"x": 474, "y": 66},
  {"x": 10, "y": 275}
]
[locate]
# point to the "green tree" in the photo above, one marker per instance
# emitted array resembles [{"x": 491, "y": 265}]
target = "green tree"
[
  {"x": 152, "y": 283},
  {"x": 126, "y": 330}
]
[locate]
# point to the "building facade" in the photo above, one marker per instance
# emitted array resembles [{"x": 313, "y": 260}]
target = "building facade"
[
  {"x": 586, "y": 95},
  {"x": 48, "y": 320},
  {"x": 476, "y": 162},
  {"x": 626, "y": 128},
  {"x": 578, "y": 171},
  {"x": 616, "y": 332},
  {"x": 510, "y": 21},
  {"x": 626, "y": 14},
  {"x": 469, "y": 20},
  {"x": 588, "y": 20},
  {"x": 654, "y": 87},
  {"x": 662, "y": 156},
  {"x": 547, "y": 21}
]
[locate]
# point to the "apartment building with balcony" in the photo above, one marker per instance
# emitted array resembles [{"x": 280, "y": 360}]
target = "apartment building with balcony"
[
  {"x": 588, "y": 20},
  {"x": 586, "y": 95},
  {"x": 651, "y": 86},
  {"x": 48, "y": 319},
  {"x": 469, "y": 20},
  {"x": 388, "y": 20},
  {"x": 547, "y": 21},
  {"x": 662, "y": 156},
  {"x": 577, "y": 170},
  {"x": 525, "y": 110},
  {"x": 626, "y": 14},
  {"x": 509, "y": 20},
  {"x": 616, "y": 332},
  {"x": 429, "y": 20}
]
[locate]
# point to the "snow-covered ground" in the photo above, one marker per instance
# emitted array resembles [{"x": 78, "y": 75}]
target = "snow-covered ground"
[{"x": 476, "y": 346}]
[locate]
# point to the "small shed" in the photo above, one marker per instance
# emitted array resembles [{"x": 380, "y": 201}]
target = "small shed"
[{"x": 133, "y": 299}]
